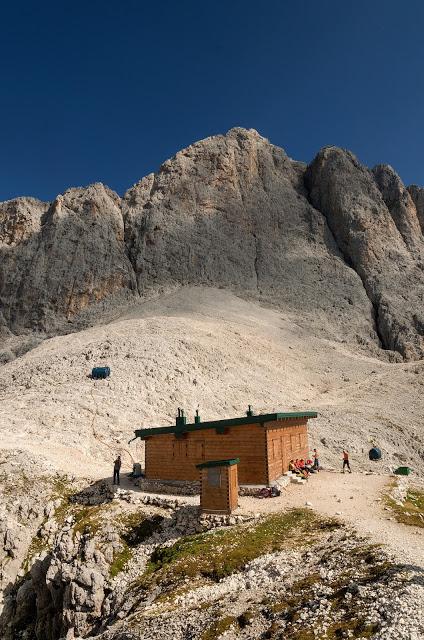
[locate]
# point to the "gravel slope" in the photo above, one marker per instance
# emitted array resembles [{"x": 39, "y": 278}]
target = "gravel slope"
[{"x": 207, "y": 349}]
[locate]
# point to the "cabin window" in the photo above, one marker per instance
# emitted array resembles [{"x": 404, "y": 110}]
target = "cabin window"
[
  {"x": 214, "y": 477},
  {"x": 200, "y": 450},
  {"x": 196, "y": 450},
  {"x": 180, "y": 449}
]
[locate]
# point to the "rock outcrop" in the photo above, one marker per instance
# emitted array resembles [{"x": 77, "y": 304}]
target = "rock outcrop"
[
  {"x": 375, "y": 224},
  {"x": 58, "y": 259},
  {"x": 338, "y": 246},
  {"x": 232, "y": 211},
  {"x": 417, "y": 195},
  {"x": 332, "y": 582}
]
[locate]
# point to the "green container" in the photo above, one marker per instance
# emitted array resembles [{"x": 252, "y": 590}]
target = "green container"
[{"x": 403, "y": 471}]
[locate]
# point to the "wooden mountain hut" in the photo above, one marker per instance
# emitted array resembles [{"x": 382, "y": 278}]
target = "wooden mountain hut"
[{"x": 265, "y": 444}]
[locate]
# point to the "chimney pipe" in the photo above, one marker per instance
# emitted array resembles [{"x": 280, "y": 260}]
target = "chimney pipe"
[
  {"x": 197, "y": 417},
  {"x": 180, "y": 420},
  {"x": 249, "y": 412}
]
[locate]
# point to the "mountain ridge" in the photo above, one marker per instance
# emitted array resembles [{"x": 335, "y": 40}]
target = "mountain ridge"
[{"x": 333, "y": 241}]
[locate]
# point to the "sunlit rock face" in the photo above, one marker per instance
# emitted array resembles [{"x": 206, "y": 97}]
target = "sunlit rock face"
[{"x": 335, "y": 244}]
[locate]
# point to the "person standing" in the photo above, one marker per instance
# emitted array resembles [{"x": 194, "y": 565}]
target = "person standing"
[
  {"x": 316, "y": 460},
  {"x": 346, "y": 461},
  {"x": 116, "y": 470}
]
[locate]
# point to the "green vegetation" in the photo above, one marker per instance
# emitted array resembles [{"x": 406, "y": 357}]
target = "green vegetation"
[
  {"x": 61, "y": 488},
  {"x": 411, "y": 511},
  {"x": 372, "y": 568},
  {"x": 357, "y": 628},
  {"x": 219, "y": 553},
  {"x": 218, "y": 628},
  {"x": 88, "y": 519},
  {"x": 135, "y": 528},
  {"x": 245, "y": 618},
  {"x": 37, "y": 546},
  {"x": 120, "y": 560}
]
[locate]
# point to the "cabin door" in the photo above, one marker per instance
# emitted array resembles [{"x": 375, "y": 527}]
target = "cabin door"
[
  {"x": 234, "y": 488},
  {"x": 285, "y": 452}
]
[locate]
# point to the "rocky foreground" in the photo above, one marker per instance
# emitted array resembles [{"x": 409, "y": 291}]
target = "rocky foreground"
[{"x": 123, "y": 565}]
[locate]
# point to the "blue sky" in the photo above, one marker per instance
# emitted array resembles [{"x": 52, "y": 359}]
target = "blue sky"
[{"x": 106, "y": 91}]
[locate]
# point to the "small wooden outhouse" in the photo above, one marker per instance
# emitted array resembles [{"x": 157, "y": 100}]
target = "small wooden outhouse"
[{"x": 219, "y": 486}]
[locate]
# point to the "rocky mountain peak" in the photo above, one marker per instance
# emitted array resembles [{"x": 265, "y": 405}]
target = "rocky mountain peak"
[
  {"x": 400, "y": 205},
  {"x": 19, "y": 219},
  {"x": 417, "y": 195},
  {"x": 333, "y": 243}
]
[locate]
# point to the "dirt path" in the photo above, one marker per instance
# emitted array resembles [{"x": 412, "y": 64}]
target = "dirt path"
[{"x": 358, "y": 499}]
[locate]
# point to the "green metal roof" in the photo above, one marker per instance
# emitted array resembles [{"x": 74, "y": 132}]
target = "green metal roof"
[
  {"x": 218, "y": 463},
  {"x": 222, "y": 424}
]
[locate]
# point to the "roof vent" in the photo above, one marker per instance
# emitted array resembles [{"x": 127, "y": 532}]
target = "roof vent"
[
  {"x": 249, "y": 412},
  {"x": 180, "y": 420},
  {"x": 197, "y": 417}
]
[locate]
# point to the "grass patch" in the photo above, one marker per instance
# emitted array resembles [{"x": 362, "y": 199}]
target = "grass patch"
[
  {"x": 62, "y": 488},
  {"x": 88, "y": 519},
  {"x": 220, "y": 553},
  {"x": 411, "y": 511},
  {"x": 120, "y": 561},
  {"x": 137, "y": 528},
  {"x": 37, "y": 545},
  {"x": 246, "y": 618},
  {"x": 357, "y": 628},
  {"x": 219, "y": 627}
]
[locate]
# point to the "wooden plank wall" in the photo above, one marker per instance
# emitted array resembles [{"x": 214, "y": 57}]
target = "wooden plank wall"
[
  {"x": 171, "y": 458},
  {"x": 233, "y": 486},
  {"x": 222, "y": 498},
  {"x": 285, "y": 439}
]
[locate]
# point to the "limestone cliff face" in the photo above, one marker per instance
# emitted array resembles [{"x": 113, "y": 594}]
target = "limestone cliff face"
[
  {"x": 417, "y": 195},
  {"x": 232, "y": 211},
  {"x": 334, "y": 244},
  {"x": 55, "y": 264},
  {"x": 19, "y": 219},
  {"x": 401, "y": 207},
  {"x": 375, "y": 223}
]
